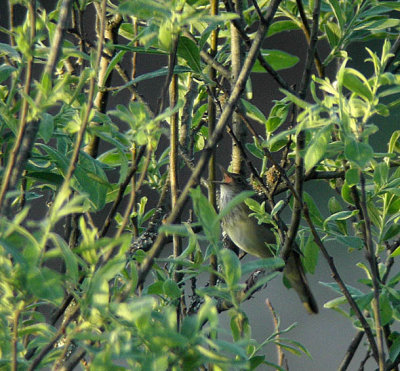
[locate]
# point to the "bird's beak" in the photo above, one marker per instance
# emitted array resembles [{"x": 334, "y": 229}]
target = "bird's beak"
[{"x": 226, "y": 176}]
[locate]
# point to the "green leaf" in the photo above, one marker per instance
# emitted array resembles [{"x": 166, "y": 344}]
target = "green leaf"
[
  {"x": 45, "y": 284},
  {"x": 254, "y": 112},
  {"x": 231, "y": 267},
  {"x": 46, "y": 127},
  {"x": 9, "y": 50},
  {"x": 206, "y": 214},
  {"x": 238, "y": 199},
  {"x": 98, "y": 292},
  {"x": 317, "y": 147},
  {"x": 5, "y": 72},
  {"x": 386, "y": 310},
  {"x": 315, "y": 213},
  {"x": 350, "y": 241},
  {"x": 310, "y": 255},
  {"x": 277, "y": 115},
  {"x": 145, "y": 9},
  {"x": 151, "y": 75},
  {"x": 277, "y": 59},
  {"x": 337, "y": 11},
  {"x": 171, "y": 289},
  {"x": 394, "y": 350},
  {"x": 189, "y": 51},
  {"x": 341, "y": 215},
  {"x": 333, "y": 32},
  {"x": 381, "y": 174},
  {"x": 70, "y": 259},
  {"x": 394, "y": 146},
  {"x": 268, "y": 264},
  {"x": 358, "y": 152},
  {"x": 355, "y": 82},
  {"x": 352, "y": 177},
  {"x": 281, "y": 26}
]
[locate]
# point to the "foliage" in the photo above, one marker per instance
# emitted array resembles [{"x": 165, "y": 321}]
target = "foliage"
[{"x": 84, "y": 275}]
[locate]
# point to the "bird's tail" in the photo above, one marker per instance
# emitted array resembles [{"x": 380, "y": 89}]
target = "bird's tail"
[{"x": 294, "y": 272}]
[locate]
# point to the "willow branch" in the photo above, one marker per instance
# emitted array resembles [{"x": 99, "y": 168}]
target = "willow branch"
[
  {"x": 351, "y": 350},
  {"x": 212, "y": 111},
  {"x": 33, "y": 127},
  {"x": 342, "y": 286},
  {"x": 24, "y": 107},
  {"x": 306, "y": 30},
  {"x": 370, "y": 255}
]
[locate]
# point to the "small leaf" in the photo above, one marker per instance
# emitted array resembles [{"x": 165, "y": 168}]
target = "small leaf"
[
  {"x": 381, "y": 174},
  {"x": 254, "y": 112},
  {"x": 353, "y": 80},
  {"x": 277, "y": 59},
  {"x": 5, "y": 72},
  {"x": 281, "y": 26},
  {"x": 317, "y": 147},
  {"x": 231, "y": 267},
  {"x": 189, "y": 51},
  {"x": 171, "y": 289},
  {"x": 310, "y": 257},
  {"x": 352, "y": 177},
  {"x": 358, "y": 152},
  {"x": 46, "y": 127},
  {"x": 268, "y": 264},
  {"x": 206, "y": 214}
]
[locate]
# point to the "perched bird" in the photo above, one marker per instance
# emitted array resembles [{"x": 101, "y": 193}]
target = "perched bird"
[{"x": 251, "y": 237}]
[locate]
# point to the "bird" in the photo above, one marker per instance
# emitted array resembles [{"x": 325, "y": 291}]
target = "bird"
[{"x": 253, "y": 238}]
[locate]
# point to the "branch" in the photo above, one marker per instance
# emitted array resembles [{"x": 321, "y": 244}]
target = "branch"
[
  {"x": 28, "y": 139},
  {"x": 351, "y": 351},
  {"x": 214, "y": 139},
  {"x": 121, "y": 192},
  {"x": 212, "y": 118},
  {"x": 50, "y": 345},
  {"x": 300, "y": 142},
  {"x": 370, "y": 255},
  {"x": 306, "y": 30},
  {"x": 343, "y": 288}
]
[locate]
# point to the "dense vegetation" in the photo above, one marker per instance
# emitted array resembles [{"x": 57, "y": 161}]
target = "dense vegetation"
[{"x": 90, "y": 200}]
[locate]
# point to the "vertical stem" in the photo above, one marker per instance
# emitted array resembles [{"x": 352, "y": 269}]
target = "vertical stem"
[
  {"x": 211, "y": 127},
  {"x": 173, "y": 171},
  {"x": 7, "y": 177},
  {"x": 107, "y": 32},
  {"x": 173, "y": 156},
  {"x": 370, "y": 254},
  {"x": 27, "y": 137},
  {"x": 15, "y": 340},
  {"x": 237, "y": 56}
]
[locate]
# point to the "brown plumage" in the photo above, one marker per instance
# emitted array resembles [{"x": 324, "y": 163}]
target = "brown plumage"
[{"x": 251, "y": 237}]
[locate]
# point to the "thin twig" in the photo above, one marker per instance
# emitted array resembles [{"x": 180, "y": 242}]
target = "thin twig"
[
  {"x": 237, "y": 56},
  {"x": 300, "y": 142},
  {"x": 24, "y": 108},
  {"x": 108, "y": 32},
  {"x": 370, "y": 255},
  {"x": 212, "y": 112},
  {"x": 275, "y": 319},
  {"x": 342, "y": 286},
  {"x": 33, "y": 127},
  {"x": 306, "y": 30},
  {"x": 351, "y": 351},
  {"x": 121, "y": 192},
  {"x": 14, "y": 343},
  {"x": 50, "y": 345}
]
